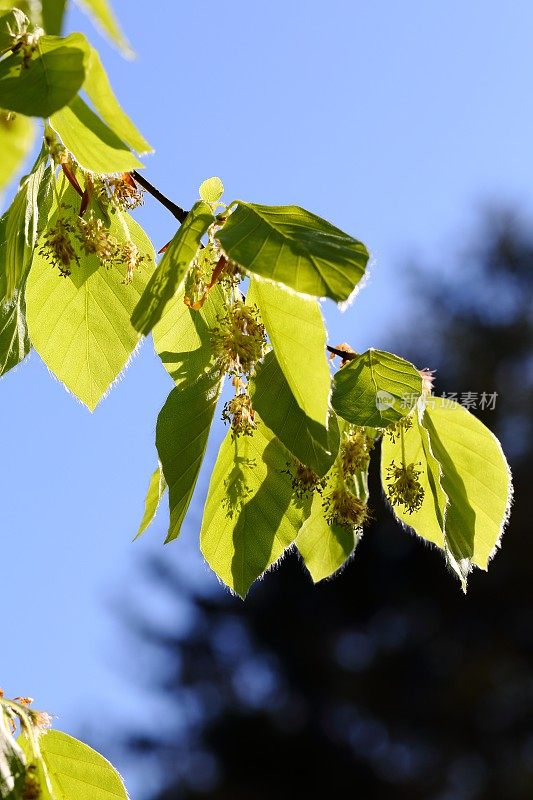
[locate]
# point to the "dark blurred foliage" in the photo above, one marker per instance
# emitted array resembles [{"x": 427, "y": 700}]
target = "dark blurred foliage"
[{"x": 386, "y": 681}]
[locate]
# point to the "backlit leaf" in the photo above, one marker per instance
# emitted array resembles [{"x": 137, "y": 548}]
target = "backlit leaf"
[
  {"x": 211, "y": 190},
  {"x": 289, "y": 245},
  {"x": 156, "y": 490},
  {"x": 173, "y": 268},
  {"x": 17, "y": 134},
  {"x": 324, "y": 547},
  {"x": 103, "y": 16}
]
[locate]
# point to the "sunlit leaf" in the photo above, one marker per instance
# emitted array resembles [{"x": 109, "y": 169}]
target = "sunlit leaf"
[
  {"x": 324, "y": 547},
  {"x": 376, "y": 389},
  {"x": 53, "y": 12},
  {"x": 173, "y": 268},
  {"x": 13, "y": 23},
  {"x": 182, "y": 338},
  {"x": 103, "y": 16},
  {"x": 17, "y": 134},
  {"x": 289, "y": 245},
  {"x": 80, "y": 325},
  {"x": 311, "y": 443},
  {"x": 296, "y": 330},
  {"x": 250, "y": 516},
  {"x": 51, "y": 79},
  {"x": 12, "y": 764},
  {"x": 211, "y": 190},
  {"x": 92, "y": 143},
  {"x": 181, "y": 438},
  {"x": 156, "y": 490}
]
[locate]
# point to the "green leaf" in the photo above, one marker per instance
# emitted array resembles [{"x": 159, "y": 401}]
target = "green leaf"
[
  {"x": 104, "y": 18},
  {"x": 173, "y": 268},
  {"x": 211, "y": 190},
  {"x": 13, "y": 23},
  {"x": 32, "y": 198},
  {"x": 182, "y": 338},
  {"x": 92, "y": 143},
  {"x": 289, "y": 245},
  {"x": 103, "y": 98},
  {"x": 376, "y": 389},
  {"x": 475, "y": 477},
  {"x": 324, "y": 548},
  {"x": 249, "y": 517},
  {"x": 181, "y": 438},
  {"x": 156, "y": 490},
  {"x": 428, "y": 520},
  {"x": 51, "y": 79},
  {"x": 80, "y": 325},
  {"x": 17, "y": 134},
  {"x": 311, "y": 443},
  {"x": 12, "y": 764},
  {"x": 14, "y": 340},
  {"x": 296, "y": 330},
  {"x": 53, "y": 12},
  {"x": 77, "y": 772}
]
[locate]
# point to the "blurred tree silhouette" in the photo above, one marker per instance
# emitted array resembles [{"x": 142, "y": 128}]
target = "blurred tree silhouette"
[{"x": 385, "y": 681}]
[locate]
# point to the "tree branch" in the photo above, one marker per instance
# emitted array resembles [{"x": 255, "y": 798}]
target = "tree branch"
[{"x": 174, "y": 209}]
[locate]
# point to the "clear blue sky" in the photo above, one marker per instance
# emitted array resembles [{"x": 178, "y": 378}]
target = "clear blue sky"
[{"x": 394, "y": 120}]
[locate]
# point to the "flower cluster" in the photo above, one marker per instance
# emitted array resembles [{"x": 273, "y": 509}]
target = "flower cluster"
[
  {"x": 120, "y": 191},
  {"x": 57, "y": 246},
  {"x": 394, "y": 431},
  {"x": 304, "y": 480},
  {"x": 355, "y": 451},
  {"x": 341, "y": 507},
  {"x": 95, "y": 239},
  {"x": 240, "y": 414},
  {"x": 404, "y": 488},
  {"x": 239, "y": 340}
]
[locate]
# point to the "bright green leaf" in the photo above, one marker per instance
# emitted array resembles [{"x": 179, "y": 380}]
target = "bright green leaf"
[
  {"x": 250, "y": 517},
  {"x": 32, "y": 200},
  {"x": 106, "y": 104},
  {"x": 103, "y": 16},
  {"x": 211, "y": 190},
  {"x": 80, "y": 325},
  {"x": 13, "y": 23},
  {"x": 324, "y": 547},
  {"x": 77, "y": 772},
  {"x": 296, "y": 330},
  {"x": 17, "y": 134},
  {"x": 182, "y": 338},
  {"x": 289, "y": 245},
  {"x": 309, "y": 442},
  {"x": 173, "y": 268},
  {"x": 156, "y": 490},
  {"x": 54, "y": 75},
  {"x": 14, "y": 340},
  {"x": 376, "y": 389},
  {"x": 92, "y": 143},
  {"x": 53, "y": 12},
  {"x": 181, "y": 438},
  {"x": 475, "y": 477}
]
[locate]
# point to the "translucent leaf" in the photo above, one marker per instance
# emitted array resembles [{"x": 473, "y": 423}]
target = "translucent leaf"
[
  {"x": 17, "y": 134},
  {"x": 181, "y": 438},
  {"x": 156, "y": 490},
  {"x": 475, "y": 477},
  {"x": 173, "y": 268},
  {"x": 106, "y": 104},
  {"x": 32, "y": 199},
  {"x": 80, "y": 325},
  {"x": 92, "y": 143},
  {"x": 51, "y": 79},
  {"x": 53, "y": 12},
  {"x": 211, "y": 190},
  {"x": 182, "y": 338},
  {"x": 324, "y": 547},
  {"x": 76, "y": 771},
  {"x": 249, "y": 517},
  {"x": 14, "y": 340},
  {"x": 311, "y": 443},
  {"x": 289, "y": 245},
  {"x": 103, "y": 16},
  {"x": 428, "y": 520},
  {"x": 296, "y": 330},
  {"x": 376, "y": 389}
]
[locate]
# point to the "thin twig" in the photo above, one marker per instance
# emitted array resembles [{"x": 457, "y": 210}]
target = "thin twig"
[
  {"x": 174, "y": 209},
  {"x": 344, "y": 354}
]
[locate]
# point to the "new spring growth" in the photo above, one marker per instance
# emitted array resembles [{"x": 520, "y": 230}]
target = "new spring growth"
[
  {"x": 239, "y": 340},
  {"x": 120, "y": 191},
  {"x": 355, "y": 450},
  {"x": 404, "y": 488},
  {"x": 341, "y": 507},
  {"x": 303, "y": 479},
  {"x": 57, "y": 245},
  {"x": 95, "y": 239},
  {"x": 240, "y": 414}
]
